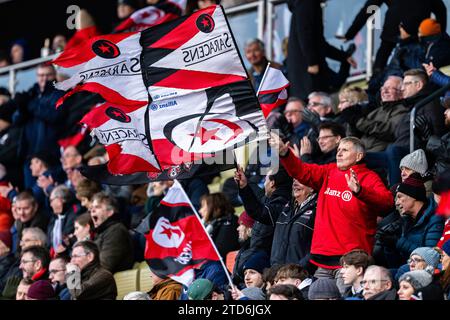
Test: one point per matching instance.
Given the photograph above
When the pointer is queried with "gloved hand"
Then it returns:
(311, 117)
(10, 290)
(422, 127)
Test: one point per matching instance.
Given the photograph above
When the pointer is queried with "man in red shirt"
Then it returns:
(350, 199)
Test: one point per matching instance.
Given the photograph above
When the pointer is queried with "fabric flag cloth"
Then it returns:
(122, 131)
(177, 242)
(152, 15)
(108, 65)
(272, 92)
(202, 100)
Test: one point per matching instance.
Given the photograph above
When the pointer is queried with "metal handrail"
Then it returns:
(12, 70)
(419, 105)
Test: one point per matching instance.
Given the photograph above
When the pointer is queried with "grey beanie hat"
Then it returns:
(430, 256)
(417, 278)
(254, 293)
(416, 161)
(323, 288)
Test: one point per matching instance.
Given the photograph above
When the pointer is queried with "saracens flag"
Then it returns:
(149, 16)
(177, 242)
(272, 92)
(122, 131)
(108, 65)
(202, 99)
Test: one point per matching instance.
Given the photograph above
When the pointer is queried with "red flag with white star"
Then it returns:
(177, 242)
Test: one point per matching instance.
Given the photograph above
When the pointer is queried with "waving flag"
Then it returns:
(152, 15)
(108, 65)
(272, 92)
(122, 131)
(177, 242)
(202, 101)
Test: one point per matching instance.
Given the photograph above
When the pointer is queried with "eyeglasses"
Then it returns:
(26, 261)
(415, 260)
(79, 255)
(371, 282)
(55, 271)
(323, 138)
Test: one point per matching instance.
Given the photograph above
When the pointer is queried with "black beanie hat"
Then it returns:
(413, 187)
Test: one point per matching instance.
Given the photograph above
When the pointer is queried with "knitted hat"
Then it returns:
(417, 278)
(446, 247)
(430, 256)
(429, 27)
(5, 237)
(254, 293)
(414, 188)
(410, 26)
(41, 290)
(246, 220)
(416, 161)
(323, 288)
(259, 261)
(200, 289)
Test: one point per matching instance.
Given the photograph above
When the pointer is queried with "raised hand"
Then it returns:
(240, 178)
(352, 181)
(305, 146)
(429, 68)
(278, 144)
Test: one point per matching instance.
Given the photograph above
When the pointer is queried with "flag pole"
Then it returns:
(263, 78)
(209, 237)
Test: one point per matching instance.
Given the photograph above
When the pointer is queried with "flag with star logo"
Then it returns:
(152, 15)
(108, 65)
(272, 92)
(201, 96)
(177, 242)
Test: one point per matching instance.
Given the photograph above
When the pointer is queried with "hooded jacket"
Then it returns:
(344, 220)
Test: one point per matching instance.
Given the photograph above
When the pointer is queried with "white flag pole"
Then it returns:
(209, 237)
(263, 78)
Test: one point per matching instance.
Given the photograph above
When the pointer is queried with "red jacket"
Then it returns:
(344, 221)
(6, 219)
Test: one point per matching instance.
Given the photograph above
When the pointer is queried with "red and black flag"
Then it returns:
(108, 65)
(272, 92)
(150, 16)
(202, 101)
(177, 242)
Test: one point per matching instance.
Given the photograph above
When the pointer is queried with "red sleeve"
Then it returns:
(375, 194)
(311, 175)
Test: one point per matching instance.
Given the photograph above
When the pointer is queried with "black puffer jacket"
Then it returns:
(440, 149)
(265, 212)
(223, 232)
(293, 233)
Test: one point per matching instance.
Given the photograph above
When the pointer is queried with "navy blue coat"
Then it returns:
(40, 119)
(424, 233)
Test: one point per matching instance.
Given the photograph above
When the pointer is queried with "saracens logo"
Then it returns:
(105, 49)
(166, 235)
(117, 114)
(205, 23)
